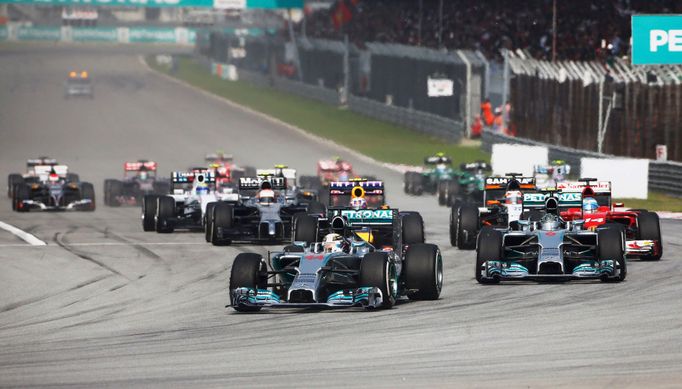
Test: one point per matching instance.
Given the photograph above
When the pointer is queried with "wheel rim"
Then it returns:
(391, 280)
(439, 272)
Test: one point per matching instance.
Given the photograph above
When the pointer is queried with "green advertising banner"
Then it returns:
(233, 4)
(94, 34)
(39, 33)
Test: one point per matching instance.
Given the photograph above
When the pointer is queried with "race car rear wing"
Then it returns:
(599, 187)
(137, 166)
(435, 160)
(473, 166)
(537, 200)
(341, 192)
(256, 183)
(44, 170)
(366, 217)
(493, 183)
(40, 161)
(218, 157)
(189, 177)
(289, 174)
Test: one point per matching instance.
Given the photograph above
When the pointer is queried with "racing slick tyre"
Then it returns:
(248, 271)
(107, 192)
(488, 248)
(377, 271)
(208, 221)
(222, 216)
(88, 193)
(72, 177)
(21, 192)
(165, 211)
(453, 192)
(413, 228)
(454, 215)
(423, 269)
(115, 190)
(316, 208)
(407, 188)
(610, 246)
(417, 184)
(148, 212)
(443, 187)
(12, 180)
(650, 229)
(305, 229)
(466, 227)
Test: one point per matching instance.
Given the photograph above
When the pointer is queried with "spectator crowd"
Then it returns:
(586, 29)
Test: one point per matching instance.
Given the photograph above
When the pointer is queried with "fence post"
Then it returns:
(467, 116)
(505, 79)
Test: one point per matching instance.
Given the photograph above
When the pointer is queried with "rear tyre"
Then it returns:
(377, 271)
(21, 192)
(489, 248)
(165, 211)
(248, 271)
(453, 192)
(13, 180)
(650, 229)
(305, 229)
(222, 218)
(413, 229)
(423, 272)
(467, 226)
(208, 222)
(417, 184)
(149, 212)
(443, 187)
(610, 247)
(72, 178)
(317, 208)
(88, 193)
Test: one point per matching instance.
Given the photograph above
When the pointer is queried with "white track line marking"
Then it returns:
(23, 235)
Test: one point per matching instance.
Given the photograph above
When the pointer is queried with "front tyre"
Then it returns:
(611, 247)
(488, 248)
(248, 271)
(377, 271)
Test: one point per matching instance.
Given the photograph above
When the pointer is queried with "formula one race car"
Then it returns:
(293, 194)
(328, 171)
(642, 229)
(261, 214)
(434, 178)
(467, 185)
(78, 84)
(139, 179)
(185, 207)
(550, 248)
(502, 205)
(226, 172)
(549, 175)
(369, 258)
(30, 177)
(53, 189)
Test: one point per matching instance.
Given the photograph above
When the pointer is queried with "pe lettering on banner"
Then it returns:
(656, 39)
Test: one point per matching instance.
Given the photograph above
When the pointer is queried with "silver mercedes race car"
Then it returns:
(550, 248)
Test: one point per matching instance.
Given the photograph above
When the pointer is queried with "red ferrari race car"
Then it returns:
(642, 228)
(328, 171)
(226, 172)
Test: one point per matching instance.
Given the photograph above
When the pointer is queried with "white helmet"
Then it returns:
(332, 243)
(513, 197)
(266, 197)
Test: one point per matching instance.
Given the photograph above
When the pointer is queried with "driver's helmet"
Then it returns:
(332, 243)
(358, 203)
(441, 166)
(143, 175)
(343, 176)
(550, 222)
(590, 205)
(53, 177)
(266, 197)
(202, 188)
(513, 197)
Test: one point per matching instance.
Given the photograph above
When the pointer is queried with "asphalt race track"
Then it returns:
(104, 304)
